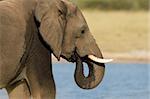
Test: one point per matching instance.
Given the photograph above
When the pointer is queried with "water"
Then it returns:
(121, 81)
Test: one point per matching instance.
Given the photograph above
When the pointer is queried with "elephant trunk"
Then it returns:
(95, 76)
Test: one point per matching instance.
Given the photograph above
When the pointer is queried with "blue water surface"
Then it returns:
(121, 81)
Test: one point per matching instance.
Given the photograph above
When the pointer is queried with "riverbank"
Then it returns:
(132, 57)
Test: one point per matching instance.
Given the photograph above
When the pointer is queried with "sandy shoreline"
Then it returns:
(143, 57)
(129, 57)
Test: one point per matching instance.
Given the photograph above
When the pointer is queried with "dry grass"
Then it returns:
(119, 31)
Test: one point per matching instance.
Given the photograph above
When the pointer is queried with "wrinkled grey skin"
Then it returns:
(30, 31)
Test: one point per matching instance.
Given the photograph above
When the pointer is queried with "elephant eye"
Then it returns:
(83, 31)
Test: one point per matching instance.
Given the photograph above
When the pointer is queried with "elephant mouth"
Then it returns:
(72, 58)
(86, 58)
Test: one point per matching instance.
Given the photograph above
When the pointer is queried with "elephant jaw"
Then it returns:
(99, 60)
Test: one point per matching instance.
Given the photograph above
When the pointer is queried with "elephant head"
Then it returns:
(64, 29)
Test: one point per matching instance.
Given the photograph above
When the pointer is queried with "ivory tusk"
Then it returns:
(99, 60)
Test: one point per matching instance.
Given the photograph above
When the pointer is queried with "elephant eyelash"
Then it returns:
(60, 12)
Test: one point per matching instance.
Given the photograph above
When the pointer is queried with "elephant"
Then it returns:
(30, 32)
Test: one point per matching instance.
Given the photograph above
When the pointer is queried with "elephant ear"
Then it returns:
(52, 17)
(71, 7)
(52, 25)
